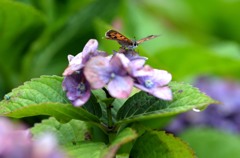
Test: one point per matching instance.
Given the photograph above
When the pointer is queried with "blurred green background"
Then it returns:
(197, 37)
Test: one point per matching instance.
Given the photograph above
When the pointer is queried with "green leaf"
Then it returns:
(68, 133)
(209, 143)
(86, 150)
(38, 90)
(159, 144)
(62, 112)
(93, 106)
(117, 104)
(125, 136)
(44, 96)
(143, 106)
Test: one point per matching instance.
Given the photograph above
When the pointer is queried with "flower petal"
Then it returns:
(97, 72)
(120, 87)
(119, 62)
(161, 77)
(77, 88)
(138, 62)
(70, 57)
(75, 64)
(90, 47)
(164, 93)
(81, 100)
(145, 71)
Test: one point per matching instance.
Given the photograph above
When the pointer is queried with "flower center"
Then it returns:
(112, 75)
(148, 84)
(81, 87)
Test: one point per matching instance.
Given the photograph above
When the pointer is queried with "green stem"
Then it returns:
(109, 109)
(109, 115)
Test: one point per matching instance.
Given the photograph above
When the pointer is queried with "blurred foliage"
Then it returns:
(197, 37)
(212, 143)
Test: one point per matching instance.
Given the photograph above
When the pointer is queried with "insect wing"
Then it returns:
(115, 35)
(147, 38)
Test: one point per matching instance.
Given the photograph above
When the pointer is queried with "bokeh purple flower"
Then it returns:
(225, 116)
(46, 146)
(16, 142)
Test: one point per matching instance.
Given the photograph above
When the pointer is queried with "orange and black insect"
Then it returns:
(124, 41)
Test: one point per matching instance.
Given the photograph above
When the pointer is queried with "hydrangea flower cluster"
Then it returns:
(225, 117)
(94, 69)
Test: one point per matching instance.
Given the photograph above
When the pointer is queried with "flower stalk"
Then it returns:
(109, 107)
(109, 116)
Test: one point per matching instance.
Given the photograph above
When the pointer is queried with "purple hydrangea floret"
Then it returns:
(75, 84)
(154, 82)
(101, 71)
(77, 88)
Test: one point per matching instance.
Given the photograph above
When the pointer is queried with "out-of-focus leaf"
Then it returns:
(227, 49)
(194, 60)
(210, 143)
(20, 24)
(204, 20)
(55, 10)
